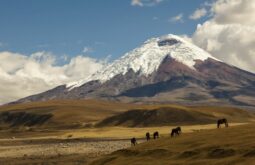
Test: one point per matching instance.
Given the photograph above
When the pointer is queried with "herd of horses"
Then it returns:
(175, 132)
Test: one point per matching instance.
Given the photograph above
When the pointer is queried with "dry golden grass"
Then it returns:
(77, 113)
(68, 112)
(198, 144)
(233, 145)
(76, 148)
(104, 132)
(126, 133)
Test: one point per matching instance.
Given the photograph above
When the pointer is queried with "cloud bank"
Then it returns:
(229, 34)
(22, 75)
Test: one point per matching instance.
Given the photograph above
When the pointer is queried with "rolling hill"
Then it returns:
(170, 115)
(66, 114)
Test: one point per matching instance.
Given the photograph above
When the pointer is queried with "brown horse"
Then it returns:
(222, 121)
(176, 131)
(155, 135)
(133, 141)
(148, 136)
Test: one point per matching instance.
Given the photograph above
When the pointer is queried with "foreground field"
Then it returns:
(80, 131)
(79, 146)
(234, 145)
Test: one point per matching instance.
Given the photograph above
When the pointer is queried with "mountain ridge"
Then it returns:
(164, 69)
(148, 57)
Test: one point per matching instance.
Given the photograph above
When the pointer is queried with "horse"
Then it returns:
(148, 136)
(222, 121)
(133, 141)
(176, 131)
(155, 135)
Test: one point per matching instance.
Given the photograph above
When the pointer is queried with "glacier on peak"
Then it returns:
(147, 58)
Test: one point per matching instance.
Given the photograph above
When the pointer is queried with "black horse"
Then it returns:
(148, 136)
(133, 141)
(155, 135)
(176, 131)
(222, 121)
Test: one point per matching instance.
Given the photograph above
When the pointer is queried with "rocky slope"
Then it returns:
(165, 69)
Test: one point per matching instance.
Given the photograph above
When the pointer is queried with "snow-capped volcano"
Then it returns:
(147, 58)
(164, 69)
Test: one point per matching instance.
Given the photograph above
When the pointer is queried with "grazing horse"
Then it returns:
(155, 135)
(176, 131)
(148, 136)
(133, 141)
(222, 121)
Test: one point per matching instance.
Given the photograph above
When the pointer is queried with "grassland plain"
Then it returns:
(226, 146)
(71, 135)
(79, 146)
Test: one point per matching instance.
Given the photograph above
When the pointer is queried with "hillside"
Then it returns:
(66, 114)
(62, 113)
(166, 69)
(233, 145)
(167, 115)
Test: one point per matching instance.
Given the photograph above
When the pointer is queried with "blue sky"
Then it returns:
(112, 27)
(46, 43)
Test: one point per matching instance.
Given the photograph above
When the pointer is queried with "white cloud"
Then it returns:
(22, 75)
(229, 34)
(87, 49)
(143, 3)
(234, 12)
(136, 3)
(177, 18)
(64, 57)
(199, 13)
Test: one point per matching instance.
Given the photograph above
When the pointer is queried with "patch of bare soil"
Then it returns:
(72, 152)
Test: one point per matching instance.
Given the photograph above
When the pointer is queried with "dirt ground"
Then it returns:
(57, 151)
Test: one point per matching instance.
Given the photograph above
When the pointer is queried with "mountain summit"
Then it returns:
(164, 69)
(147, 58)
